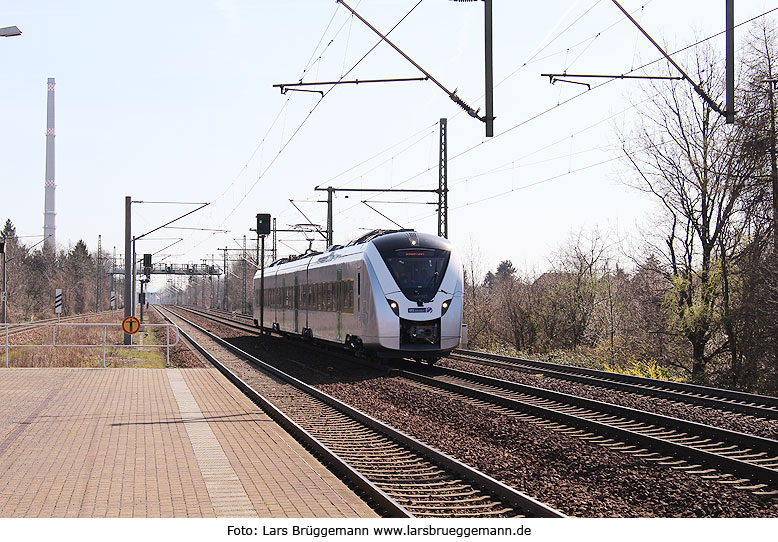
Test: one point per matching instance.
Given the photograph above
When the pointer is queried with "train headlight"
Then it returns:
(444, 307)
(394, 306)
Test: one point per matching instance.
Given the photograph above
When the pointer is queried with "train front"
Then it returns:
(419, 302)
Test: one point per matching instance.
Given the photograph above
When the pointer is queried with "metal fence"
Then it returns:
(104, 344)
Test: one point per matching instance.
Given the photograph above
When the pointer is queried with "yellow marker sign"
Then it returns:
(130, 325)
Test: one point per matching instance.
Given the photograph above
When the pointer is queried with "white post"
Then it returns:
(104, 346)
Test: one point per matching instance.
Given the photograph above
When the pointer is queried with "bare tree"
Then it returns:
(699, 170)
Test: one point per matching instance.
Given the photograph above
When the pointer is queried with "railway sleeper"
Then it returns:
(453, 483)
(750, 458)
(392, 471)
(477, 501)
(371, 466)
(730, 479)
(686, 467)
(702, 471)
(648, 455)
(395, 477)
(736, 454)
(454, 507)
(752, 487)
(496, 513)
(717, 447)
(421, 493)
(626, 448)
(766, 460)
(661, 433)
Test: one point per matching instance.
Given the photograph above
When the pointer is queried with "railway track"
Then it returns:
(744, 461)
(758, 406)
(401, 475)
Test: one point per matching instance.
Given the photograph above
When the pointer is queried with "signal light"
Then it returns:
(263, 224)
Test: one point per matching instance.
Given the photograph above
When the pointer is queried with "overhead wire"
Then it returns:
(300, 126)
(282, 110)
(548, 110)
(534, 117)
(538, 50)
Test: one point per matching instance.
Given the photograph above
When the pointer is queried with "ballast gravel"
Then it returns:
(576, 477)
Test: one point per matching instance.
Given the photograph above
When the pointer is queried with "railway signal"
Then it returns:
(147, 265)
(263, 229)
(263, 224)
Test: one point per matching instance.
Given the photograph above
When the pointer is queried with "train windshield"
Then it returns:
(418, 272)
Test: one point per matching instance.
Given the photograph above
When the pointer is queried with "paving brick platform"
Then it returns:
(152, 443)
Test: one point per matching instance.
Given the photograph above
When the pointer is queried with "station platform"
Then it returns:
(150, 443)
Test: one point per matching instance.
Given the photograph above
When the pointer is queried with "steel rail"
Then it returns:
(606, 418)
(389, 505)
(610, 427)
(518, 500)
(756, 405)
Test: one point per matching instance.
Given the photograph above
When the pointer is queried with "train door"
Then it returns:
(296, 304)
(339, 302)
(358, 300)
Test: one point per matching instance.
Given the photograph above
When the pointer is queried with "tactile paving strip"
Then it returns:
(227, 493)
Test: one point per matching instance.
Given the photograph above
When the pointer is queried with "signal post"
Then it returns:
(263, 230)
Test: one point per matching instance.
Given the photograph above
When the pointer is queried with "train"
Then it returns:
(389, 293)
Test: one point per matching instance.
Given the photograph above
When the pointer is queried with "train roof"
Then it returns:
(384, 240)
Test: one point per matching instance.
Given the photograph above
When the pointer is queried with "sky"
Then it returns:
(173, 101)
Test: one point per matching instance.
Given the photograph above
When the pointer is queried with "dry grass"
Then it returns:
(82, 356)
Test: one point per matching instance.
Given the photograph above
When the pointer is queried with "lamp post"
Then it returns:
(7, 32)
(10, 31)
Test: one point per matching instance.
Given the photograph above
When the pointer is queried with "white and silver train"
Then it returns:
(396, 294)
